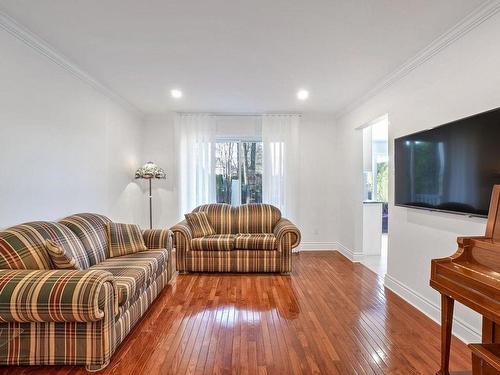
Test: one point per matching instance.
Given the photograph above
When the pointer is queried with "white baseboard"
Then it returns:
(316, 246)
(461, 329)
(352, 255)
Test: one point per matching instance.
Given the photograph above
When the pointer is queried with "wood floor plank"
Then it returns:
(329, 317)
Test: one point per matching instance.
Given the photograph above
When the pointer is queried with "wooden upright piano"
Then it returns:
(471, 276)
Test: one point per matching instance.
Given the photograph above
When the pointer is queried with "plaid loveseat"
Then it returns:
(249, 238)
(74, 317)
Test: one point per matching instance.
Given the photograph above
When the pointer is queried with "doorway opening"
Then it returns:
(376, 194)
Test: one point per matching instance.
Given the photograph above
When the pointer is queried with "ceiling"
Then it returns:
(239, 56)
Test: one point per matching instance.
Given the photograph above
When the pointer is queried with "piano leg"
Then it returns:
(490, 333)
(447, 304)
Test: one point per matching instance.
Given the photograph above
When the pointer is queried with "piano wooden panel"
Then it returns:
(472, 277)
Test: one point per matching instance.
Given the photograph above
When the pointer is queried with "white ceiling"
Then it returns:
(235, 55)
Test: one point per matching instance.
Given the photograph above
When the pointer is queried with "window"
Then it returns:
(238, 171)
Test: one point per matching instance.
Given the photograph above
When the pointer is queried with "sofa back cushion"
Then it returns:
(91, 230)
(256, 218)
(23, 246)
(247, 218)
(124, 239)
(220, 216)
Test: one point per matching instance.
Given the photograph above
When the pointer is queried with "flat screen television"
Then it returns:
(452, 167)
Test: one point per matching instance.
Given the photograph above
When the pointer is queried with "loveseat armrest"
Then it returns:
(182, 243)
(158, 239)
(183, 229)
(284, 227)
(55, 295)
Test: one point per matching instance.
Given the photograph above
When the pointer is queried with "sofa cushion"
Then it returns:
(135, 272)
(214, 242)
(91, 230)
(23, 246)
(124, 239)
(256, 218)
(61, 258)
(255, 241)
(220, 216)
(199, 224)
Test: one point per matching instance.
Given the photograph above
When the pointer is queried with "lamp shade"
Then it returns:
(150, 170)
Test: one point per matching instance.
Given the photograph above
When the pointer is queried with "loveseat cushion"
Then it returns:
(199, 224)
(91, 230)
(256, 218)
(214, 242)
(255, 241)
(135, 272)
(23, 246)
(220, 215)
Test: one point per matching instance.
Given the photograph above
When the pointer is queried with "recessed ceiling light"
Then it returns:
(176, 94)
(302, 94)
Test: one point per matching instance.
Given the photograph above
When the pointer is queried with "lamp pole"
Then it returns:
(150, 206)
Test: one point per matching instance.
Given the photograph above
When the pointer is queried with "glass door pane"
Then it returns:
(251, 172)
(226, 172)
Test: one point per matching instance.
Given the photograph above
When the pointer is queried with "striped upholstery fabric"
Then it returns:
(269, 251)
(286, 227)
(132, 314)
(73, 317)
(234, 261)
(23, 246)
(256, 218)
(255, 241)
(135, 272)
(199, 224)
(70, 343)
(158, 238)
(49, 296)
(61, 259)
(221, 217)
(91, 230)
(215, 242)
(124, 239)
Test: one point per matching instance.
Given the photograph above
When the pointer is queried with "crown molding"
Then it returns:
(41, 46)
(468, 23)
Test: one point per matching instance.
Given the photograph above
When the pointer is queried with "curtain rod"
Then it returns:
(236, 114)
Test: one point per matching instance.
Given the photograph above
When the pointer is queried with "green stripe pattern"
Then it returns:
(249, 238)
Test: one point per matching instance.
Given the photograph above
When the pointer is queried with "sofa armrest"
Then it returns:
(284, 227)
(182, 243)
(158, 238)
(55, 295)
(183, 229)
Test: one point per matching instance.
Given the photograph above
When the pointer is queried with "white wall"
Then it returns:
(461, 80)
(158, 145)
(316, 204)
(65, 147)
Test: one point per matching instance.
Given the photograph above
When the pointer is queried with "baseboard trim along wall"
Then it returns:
(353, 256)
(461, 329)
(316, 246)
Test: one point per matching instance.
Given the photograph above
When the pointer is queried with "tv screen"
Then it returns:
(452, 167)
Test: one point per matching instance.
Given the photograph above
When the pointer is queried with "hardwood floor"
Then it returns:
(329, 317)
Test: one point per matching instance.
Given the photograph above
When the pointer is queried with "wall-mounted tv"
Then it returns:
(452, 167)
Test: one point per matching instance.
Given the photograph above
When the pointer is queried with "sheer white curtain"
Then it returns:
(195, 136)
(280, 162)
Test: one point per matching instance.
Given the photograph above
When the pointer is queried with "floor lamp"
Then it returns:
(148, 172)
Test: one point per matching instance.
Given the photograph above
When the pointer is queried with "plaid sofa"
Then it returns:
(74, 317)
(249, 238)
